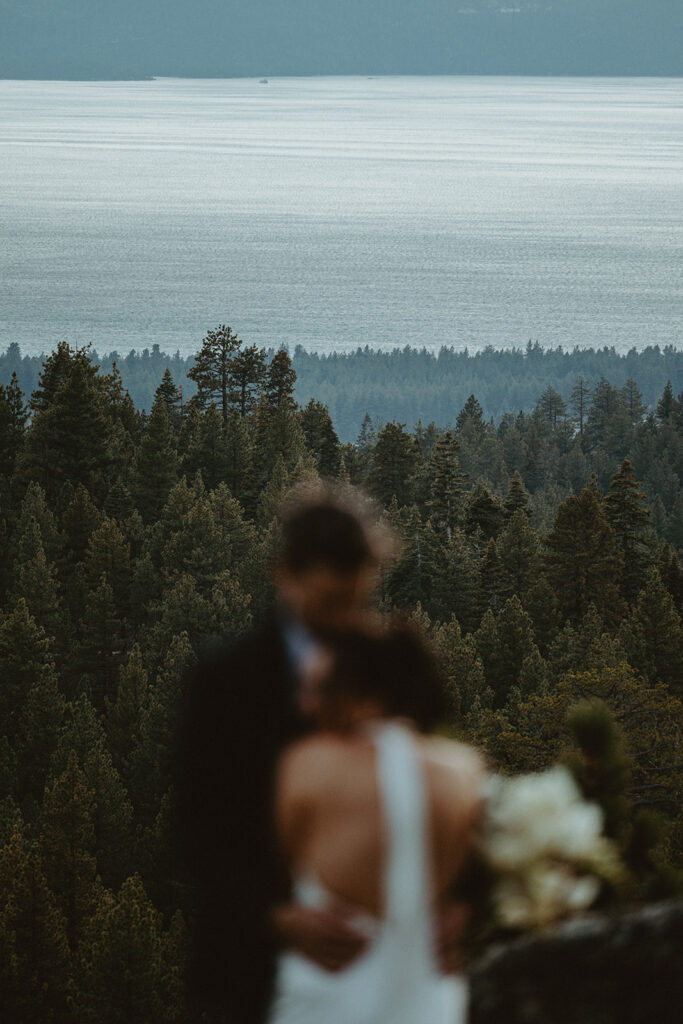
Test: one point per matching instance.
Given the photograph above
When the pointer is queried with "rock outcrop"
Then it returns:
(626, 969)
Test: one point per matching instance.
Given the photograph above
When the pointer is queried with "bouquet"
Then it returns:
(544, 849)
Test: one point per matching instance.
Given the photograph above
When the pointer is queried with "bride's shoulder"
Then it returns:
(314, 757)
(454, 761)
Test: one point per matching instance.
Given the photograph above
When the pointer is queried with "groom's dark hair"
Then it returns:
(330, 527)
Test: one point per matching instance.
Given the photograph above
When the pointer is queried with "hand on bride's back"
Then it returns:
(324, 936)
(451, 925)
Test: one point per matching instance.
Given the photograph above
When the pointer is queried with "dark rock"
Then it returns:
(626, 969)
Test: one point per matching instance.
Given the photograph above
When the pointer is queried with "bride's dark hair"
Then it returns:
(393, 667)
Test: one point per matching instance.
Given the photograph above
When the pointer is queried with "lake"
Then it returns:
(338, 212)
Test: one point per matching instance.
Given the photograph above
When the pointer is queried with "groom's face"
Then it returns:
(325, 599)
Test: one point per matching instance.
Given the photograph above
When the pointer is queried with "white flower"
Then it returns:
(540, 839)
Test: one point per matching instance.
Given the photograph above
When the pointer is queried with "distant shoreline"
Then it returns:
(272, 78)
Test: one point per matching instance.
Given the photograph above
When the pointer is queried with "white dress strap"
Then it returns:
(402, 797)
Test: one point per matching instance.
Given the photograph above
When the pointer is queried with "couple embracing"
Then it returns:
(324, 829)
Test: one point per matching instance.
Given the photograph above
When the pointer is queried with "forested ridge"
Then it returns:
(540, 555)
(404, 384)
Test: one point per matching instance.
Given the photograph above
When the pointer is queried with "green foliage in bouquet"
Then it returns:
(643, 835)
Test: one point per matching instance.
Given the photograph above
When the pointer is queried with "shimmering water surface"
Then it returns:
(334, 212)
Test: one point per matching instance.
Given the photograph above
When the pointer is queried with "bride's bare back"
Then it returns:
(330, 821)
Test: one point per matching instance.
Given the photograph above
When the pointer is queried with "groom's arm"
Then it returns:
(222, 796)
(451, 928)
(327, 937)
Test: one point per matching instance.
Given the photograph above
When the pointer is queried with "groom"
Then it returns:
(243, 704)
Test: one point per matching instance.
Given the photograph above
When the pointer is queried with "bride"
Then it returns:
(376, 821)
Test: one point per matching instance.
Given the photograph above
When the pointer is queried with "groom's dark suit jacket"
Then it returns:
(237, 714)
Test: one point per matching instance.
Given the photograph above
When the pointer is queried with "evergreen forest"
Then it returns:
(541, 556)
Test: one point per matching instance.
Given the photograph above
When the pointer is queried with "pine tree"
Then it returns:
(68, 441)
(213, 368)
(102, 644)
(56, 371)
(189, 430)
(581, 646)
(619, 433)
(446, 482)
(367, 436)
(518, 549)
(273, 493)
(156, 469)
(657, 635)
(81, 730)
(198, 549)
(108, 554)
(38, 722)
(461, 666)
(111, 816)
(13, 418)
(491, 574)
(582, 560)
(634, 402)
(280, 381)
(35, 962)
(395, 462)
(239, 467)
(551, 406)
(25, 661)
(667, 407)
(580, 402)
(235, 531)
(517, 498)
(678, 414)
(505, 642)
(152, 759)
(426, 437)
(124, 715)
(535, 466)
(208, 451)
(118, 504)
(458, 581)
(321, 438)
(35, 579)
(629, 517)
(473, 412)
(412, 579)
(171, 397)
(119, 404)
(352, 466)
(225, 611)
(122, 972)
(34, 507)
(67, 845)
(277, 432)
(607, 400)
(247, 378)
(675, 530)
(671, 573)
(80, 519)
(483, 511)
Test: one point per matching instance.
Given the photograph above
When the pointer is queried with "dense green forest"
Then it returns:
(404, 384)
(541, 556)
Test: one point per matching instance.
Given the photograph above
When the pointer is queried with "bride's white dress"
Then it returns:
(396, 980)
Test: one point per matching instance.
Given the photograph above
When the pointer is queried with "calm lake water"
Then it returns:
(337, 212)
